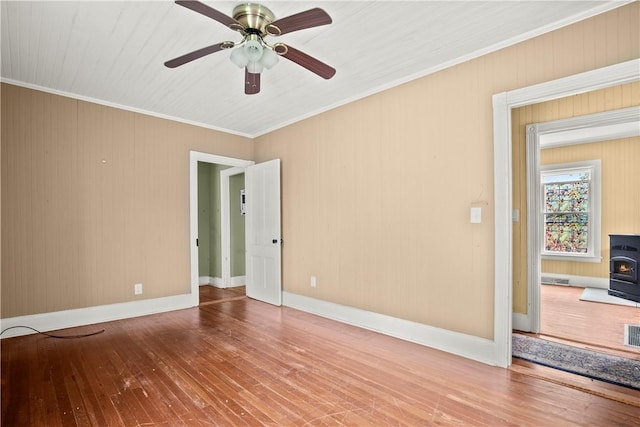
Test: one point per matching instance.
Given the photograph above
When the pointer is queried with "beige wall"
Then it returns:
(615, 216)
(376, 194)
(94, 199)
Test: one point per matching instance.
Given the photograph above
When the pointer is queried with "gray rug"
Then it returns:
(591, 364)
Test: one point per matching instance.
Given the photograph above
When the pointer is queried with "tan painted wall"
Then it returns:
(376, 193)
(602, 100)
(94, 199)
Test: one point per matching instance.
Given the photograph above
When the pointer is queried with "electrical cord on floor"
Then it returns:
(66, 337)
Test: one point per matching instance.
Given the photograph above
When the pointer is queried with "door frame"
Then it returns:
(503, 103)
(604, 126)
(194, 158)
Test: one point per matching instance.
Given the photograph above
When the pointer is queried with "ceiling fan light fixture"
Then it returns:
(269, 59)
(239, 58)
(253, 48)
(255, 67)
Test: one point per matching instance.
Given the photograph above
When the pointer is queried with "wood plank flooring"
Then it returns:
(243, 362)
(211, 294)
(586, 324)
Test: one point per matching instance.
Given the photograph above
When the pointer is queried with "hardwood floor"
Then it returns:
(211, 294)
(586, 324)
(242, 362)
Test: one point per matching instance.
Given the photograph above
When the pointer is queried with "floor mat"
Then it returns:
(591, 364)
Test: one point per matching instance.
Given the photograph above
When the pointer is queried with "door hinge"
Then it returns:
(197, 243)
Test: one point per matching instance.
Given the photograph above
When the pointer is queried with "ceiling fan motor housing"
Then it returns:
(255, 19)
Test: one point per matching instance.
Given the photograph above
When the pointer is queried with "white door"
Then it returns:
(263, 239)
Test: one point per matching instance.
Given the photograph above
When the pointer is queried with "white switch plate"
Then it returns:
(476, 215)
(313, 281)
(137, 289)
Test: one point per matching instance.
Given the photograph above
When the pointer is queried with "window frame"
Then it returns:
(594, 228)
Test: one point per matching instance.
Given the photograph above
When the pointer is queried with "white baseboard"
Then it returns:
(579, 281)
(238, 281)
(471, 347)
(219, 283)
(45, 322)
(213, 281)
(204, 280)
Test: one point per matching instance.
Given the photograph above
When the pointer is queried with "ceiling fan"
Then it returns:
(253, 53)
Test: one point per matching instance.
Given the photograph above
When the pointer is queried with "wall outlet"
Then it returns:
(313, 281)
(137, 289)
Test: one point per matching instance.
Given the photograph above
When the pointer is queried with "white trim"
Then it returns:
(502, 253)
(613, 75)
(209, 280)
(468, 346)
(219, 282)
(521, 322)
(236, 281)
(604, 126)
(579, 281)
(194, 158)
(534, 230)
(600, 78)
(204, 280)
(45, 322)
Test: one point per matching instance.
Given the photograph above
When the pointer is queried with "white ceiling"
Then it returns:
(112, 52)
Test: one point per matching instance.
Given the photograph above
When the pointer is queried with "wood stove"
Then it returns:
(624, 281)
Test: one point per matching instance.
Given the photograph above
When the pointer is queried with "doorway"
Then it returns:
(217, 165)
(503, 104)
(573, 143)
(221, 225)
(263, 240)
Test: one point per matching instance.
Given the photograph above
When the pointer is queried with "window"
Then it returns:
(571, 211)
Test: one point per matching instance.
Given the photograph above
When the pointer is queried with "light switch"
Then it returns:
(476, 215)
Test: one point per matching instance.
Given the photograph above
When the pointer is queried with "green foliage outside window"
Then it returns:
(566, 212)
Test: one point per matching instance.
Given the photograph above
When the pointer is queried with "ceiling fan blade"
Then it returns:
(180, 60)
(251, 83)
(210, 12)
(308, 19)
(310, 63)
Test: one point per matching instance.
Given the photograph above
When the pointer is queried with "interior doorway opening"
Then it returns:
(209, 198)
(503, 104)
(221, 226)
(263, 239)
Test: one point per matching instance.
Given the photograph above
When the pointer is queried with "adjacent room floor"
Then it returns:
(587, 324)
